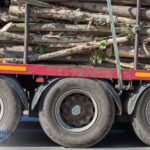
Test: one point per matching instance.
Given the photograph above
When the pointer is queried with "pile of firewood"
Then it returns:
(77, 32)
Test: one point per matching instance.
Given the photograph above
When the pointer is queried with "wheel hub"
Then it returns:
(77, 110)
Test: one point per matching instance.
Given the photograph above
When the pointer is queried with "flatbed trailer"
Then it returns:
(76, 105)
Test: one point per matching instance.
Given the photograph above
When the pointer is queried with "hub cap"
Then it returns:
(76, 110)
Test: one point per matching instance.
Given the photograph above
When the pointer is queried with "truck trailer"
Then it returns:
(76, 105)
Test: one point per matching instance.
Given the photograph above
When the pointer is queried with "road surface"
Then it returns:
(29, 136)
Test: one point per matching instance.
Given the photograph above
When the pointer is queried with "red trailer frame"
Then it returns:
(72, 71)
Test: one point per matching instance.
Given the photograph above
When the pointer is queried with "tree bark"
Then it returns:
(31, 2)
(128, 54)
(58, 27)
(3, 12)
(125, 2)
(125, 65)
(14, 51)
(11, 60)
(41, 39)
(118, 10)
(5, 17)
(61, 13)
(10, 54)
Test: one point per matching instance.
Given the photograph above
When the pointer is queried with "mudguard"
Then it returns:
(13, 81)
(135, 96)
(114, 94)
(41, 90)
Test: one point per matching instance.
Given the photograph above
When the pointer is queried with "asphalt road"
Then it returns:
(29, 136)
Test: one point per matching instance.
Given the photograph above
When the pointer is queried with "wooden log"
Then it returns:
(5, 17)
(127, 54)
(118, 10)
(17, 47)
(76, 50)
(11, 60)
(10, 54)
(14, 51)
(58, 27)
(3, 12)
(38, 38)
(61, 13)
(125, 2)
(124, 65)
(7, 27)
(62, 45)
(31, 2)
(71, 59)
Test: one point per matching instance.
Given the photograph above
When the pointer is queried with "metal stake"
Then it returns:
(138, 18)
(26, 34)
(115, 44)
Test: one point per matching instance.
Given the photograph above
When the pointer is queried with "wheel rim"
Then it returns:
(147, 112)
(76, 110)
(1, 108)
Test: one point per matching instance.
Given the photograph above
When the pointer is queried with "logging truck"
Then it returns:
(76, 105)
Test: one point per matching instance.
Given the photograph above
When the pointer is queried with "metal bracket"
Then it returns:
(138, 18)
(26, 34)
(115, 45)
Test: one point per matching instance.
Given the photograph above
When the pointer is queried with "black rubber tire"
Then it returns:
(12, 110)
(85, 138)
(139, 122)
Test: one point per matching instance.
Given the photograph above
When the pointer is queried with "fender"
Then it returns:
(106, 85)
(41, 90)
(13, 81)
(114, 94)
(134, 98)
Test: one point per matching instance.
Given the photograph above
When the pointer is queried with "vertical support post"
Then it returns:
(138, 18)
(115, 44)
(26, 34)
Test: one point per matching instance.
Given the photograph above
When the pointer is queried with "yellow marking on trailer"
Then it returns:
(13, 68)
(142, 74)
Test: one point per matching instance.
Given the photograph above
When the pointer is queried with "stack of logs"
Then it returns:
(74, 31)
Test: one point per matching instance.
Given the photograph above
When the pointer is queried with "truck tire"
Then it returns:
(10, 110)
(76, 112)
(141, 117)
